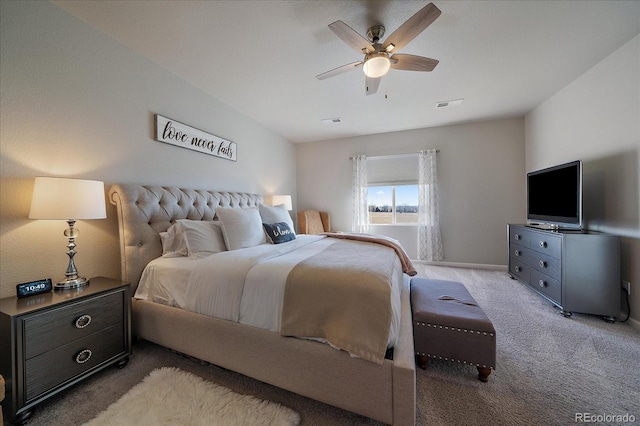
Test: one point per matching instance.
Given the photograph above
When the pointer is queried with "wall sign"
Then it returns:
(178, 134)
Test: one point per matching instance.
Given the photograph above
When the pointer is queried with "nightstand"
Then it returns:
(51, 341)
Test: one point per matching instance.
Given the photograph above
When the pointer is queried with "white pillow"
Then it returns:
(276, 214)
(241, 227)
(202, 236)
(173, 243)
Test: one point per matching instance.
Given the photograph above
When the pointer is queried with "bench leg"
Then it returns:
(483, 373)
(422, 361)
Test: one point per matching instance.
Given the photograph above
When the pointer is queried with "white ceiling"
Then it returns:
(261, 57)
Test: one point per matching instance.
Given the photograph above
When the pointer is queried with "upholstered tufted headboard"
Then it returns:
(145, 211)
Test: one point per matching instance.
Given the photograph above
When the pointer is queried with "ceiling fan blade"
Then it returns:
(371, 85)
(339, 70)
(351, 37)
(412, 27)
(403, 61)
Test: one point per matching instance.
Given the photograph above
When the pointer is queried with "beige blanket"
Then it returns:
(407, 266)
(342, 294)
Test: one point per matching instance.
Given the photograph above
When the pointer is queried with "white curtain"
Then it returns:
(429, 240)
(360, 221)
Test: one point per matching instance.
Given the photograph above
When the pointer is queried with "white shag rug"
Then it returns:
(170, 396)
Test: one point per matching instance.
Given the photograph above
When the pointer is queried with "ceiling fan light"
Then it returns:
(376, 65)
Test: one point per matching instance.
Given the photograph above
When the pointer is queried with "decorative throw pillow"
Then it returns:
(276, 214)
(279, 232)
(202, 236)
(241, 228)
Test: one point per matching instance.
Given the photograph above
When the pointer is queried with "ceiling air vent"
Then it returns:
(445, 104)
(332, 120)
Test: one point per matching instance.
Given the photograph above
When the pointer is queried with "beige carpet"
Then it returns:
(549, 368)
(170, 396)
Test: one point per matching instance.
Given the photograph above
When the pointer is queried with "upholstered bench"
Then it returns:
(448, 324)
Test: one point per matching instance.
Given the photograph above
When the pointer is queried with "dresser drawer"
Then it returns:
(546, 243)
(519, 269)
(53, 368)
(56, 327)
(520, 253)
(547, 285)
(548, 265)
(519, 236)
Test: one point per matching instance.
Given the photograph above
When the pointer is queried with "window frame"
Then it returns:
(394, 207)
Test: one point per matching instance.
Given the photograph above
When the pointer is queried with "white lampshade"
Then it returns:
(376, 65)
(275, 200)
(68, 199)
(64, 199)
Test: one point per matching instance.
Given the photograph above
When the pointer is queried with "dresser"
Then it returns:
(578, 271)
(51, 341)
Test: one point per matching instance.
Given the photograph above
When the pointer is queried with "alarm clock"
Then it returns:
(33, 287)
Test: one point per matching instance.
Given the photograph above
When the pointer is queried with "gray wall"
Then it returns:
(596, 118)
(76, 103)
(480, 173)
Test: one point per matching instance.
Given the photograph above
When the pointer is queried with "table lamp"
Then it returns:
(275, 200)
(70, 200)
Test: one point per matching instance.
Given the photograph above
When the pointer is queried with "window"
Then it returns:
(393, 189)
(393, 204)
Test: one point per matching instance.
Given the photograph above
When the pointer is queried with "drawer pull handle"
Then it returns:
(543, 244)
(518, 269)
(542, 283)
(83, 356)
(517, 237)
(83, 321)
(542, 264)
(517, 252)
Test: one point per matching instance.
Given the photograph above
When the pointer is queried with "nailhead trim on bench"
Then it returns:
(453, 328)
(426, 324)
(455, 360)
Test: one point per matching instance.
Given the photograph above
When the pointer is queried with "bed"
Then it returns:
(384, 390)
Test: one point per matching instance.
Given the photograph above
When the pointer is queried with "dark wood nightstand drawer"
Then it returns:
(59, 365)
(56, 327)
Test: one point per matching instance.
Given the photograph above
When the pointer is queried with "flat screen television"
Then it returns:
(554, 196)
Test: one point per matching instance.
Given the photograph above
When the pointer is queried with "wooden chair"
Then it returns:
(313, 222)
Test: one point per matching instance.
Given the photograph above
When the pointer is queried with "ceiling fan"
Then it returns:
(379, 57)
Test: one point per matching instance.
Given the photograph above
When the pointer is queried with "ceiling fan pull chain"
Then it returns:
(386, 86)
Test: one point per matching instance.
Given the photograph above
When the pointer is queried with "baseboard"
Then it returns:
(634, 323)
(461, 265)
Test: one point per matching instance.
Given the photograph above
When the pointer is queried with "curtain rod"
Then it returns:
(382, 157)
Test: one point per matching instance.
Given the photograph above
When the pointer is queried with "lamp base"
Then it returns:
(69, 284)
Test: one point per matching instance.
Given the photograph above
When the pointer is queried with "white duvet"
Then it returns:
(245, 286)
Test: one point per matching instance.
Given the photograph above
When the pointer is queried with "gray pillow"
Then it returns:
(202, 236)
(275, 214)
(241, 228)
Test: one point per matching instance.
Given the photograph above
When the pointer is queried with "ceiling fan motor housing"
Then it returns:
(375, 33)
